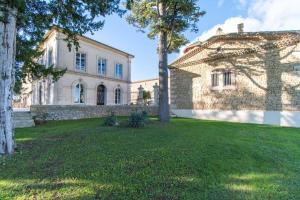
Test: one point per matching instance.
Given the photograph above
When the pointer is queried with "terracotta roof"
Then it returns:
(197, 47)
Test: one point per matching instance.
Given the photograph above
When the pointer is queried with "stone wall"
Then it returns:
(70, 112)
(147, 85)
(262, 80)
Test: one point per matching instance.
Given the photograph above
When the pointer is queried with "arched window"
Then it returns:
(118, 96)
(79, 93)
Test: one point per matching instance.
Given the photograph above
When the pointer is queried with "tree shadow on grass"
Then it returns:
(187, 159)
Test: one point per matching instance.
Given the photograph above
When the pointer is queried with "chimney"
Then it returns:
(240, 28)
(219, 31)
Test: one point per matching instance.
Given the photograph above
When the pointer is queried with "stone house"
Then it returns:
(149, 85)
(97, 74)
(245, 77)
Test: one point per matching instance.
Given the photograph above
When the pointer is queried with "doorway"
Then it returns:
(101, 90)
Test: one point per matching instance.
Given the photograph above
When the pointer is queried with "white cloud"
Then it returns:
(276, 14)
(230, 25)
(263, 15)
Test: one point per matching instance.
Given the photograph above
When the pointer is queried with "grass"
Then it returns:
(186, 159)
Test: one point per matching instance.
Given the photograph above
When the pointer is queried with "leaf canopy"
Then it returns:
(178, 17)
(35, 17)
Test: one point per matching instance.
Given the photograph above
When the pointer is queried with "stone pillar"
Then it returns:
(140, 99)
(156, 94)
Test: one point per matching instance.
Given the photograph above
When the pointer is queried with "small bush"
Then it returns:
(145, 114)
(138, 119)
(40, 118)
(111, 120)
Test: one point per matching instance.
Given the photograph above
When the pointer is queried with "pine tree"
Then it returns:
(167, 20)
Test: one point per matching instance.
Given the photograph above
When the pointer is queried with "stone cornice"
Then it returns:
(97, 76)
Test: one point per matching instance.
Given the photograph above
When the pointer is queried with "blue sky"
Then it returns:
(256, 14)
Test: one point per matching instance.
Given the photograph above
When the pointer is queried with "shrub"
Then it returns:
(111, 120)
(40, 118)
(137, 119)
(145, 115)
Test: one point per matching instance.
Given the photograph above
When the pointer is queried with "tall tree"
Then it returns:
(23, 24)
(167, 20)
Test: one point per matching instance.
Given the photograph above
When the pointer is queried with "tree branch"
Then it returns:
(172, 25)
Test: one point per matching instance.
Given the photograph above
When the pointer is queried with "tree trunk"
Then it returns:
(164, 113)
(7, 63)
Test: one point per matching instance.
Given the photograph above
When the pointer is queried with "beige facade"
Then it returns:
(148, 85)
(237, 72)
(97, 74)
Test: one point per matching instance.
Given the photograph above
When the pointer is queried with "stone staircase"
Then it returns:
(22, 119)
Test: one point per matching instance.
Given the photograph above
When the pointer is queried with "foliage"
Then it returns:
(146, 96)
(34, 18)
(179, 16)
(111, 120)
(40, 119)
(167, 20)
(185, 159)
(137, 119)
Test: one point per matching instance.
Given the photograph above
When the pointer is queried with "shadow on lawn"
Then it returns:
(158, 162)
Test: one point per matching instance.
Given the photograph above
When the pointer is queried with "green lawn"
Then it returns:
(186, 159)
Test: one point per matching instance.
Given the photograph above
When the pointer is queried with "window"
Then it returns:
(227, 78)
(297, 68)
(41, 59)
(79, 93)
(119, 71)
(50, 57)
(102, 66)
(81, 62)
(118, 96)
(215, 79)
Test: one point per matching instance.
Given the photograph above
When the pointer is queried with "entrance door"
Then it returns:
(101, 95)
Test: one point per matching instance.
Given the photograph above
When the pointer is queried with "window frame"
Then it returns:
(50, 55)
(222, 77)
(81, 87)
(215, 79)
(99, 72)
(118, 96)
(80, 68)
(116, 75)
(227, 78)
(296, 69)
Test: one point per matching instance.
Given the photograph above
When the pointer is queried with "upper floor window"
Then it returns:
(227, 78)
(41, 60)
(215, 79)
(81, 61)
(102, 66)
(119, 70)
(118, 96)
(79, 93)
(50, 57)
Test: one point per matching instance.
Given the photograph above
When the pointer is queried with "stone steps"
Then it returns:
(22, 119)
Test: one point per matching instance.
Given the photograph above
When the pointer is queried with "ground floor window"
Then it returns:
(215, 79)
(118, 96)
(79, 93)
(227, 78)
